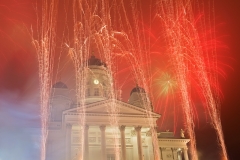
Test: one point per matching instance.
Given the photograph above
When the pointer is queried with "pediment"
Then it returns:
(104, 107)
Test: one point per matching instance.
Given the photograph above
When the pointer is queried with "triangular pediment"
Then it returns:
(104, 107)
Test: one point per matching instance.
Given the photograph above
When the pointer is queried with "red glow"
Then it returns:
(182, 44)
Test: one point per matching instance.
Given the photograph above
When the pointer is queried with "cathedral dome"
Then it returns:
(60, 85)
(138, 90)
(95, 61)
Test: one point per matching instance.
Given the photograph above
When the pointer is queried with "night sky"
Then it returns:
(19, 109)
(228, 12)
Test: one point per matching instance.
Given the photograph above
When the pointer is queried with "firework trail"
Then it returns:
(107, 42)
(189, 59)
(174, 37)
(79, 54)
(136, 49)
(91, 30)
(210, 97)
(45, 47)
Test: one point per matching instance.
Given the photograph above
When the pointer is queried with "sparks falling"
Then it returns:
(92, 21)
(91, 30)
(189, 57)
(45, 48)
(106, 27)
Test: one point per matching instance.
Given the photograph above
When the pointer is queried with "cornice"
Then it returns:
(174, 140)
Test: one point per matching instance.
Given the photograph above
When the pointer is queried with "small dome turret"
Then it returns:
(137, 97)
(60, 101)
(138, 90)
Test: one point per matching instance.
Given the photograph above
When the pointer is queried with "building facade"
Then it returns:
(134, 140)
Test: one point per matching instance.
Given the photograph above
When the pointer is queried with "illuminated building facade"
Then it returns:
(134, 136)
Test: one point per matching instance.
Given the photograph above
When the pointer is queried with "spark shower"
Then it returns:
(182, 31)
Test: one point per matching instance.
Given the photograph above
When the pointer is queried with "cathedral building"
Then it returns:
(134, 136)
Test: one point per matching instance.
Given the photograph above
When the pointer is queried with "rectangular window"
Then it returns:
(88, 92)
(96, 91)
(110, 157)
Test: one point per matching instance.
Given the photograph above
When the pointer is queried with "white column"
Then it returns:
(86, 144)
(123, 142)
(139, 140)
(103, 142)
(185, 154)
(68, 141)
(179, 155)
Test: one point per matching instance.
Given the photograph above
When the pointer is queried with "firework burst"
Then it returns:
(191, 60)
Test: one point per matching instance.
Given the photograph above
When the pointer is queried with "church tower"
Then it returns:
(98, 86)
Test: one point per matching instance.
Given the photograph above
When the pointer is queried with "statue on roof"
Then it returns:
(182, 133)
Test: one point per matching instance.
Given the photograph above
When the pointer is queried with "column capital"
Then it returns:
(138, 128)
(122, 128)
(102, 127)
